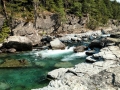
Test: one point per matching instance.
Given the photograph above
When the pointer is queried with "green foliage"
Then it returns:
(100, 11)
(93, 24)
(4, 33)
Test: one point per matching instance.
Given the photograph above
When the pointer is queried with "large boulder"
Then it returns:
(20, 43)
(57, 44)
(27, 29)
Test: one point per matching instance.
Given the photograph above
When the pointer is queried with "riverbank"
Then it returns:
(101, 74)
(85, 76)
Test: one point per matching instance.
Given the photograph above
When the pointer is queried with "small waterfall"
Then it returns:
(54, 53)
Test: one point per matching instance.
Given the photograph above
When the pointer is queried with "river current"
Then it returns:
(41, 62)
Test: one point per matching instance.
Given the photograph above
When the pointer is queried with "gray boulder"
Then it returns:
(20, 43)
(29, 31)
(57, 44)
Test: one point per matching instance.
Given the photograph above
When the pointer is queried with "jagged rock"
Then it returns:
(20, 43)
(57, 44)
(80, 49)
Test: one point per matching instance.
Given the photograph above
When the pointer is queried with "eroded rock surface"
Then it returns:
(100, 75)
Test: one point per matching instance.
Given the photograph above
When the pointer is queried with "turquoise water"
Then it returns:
(34, 76)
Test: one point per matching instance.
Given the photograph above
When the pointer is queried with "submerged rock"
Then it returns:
(40, 64)
(15, 63)
(4, 86)
(63, 65)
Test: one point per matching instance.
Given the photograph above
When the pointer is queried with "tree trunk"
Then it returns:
(4, 8)
(35, 12)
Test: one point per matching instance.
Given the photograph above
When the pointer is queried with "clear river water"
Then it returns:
(42, 61)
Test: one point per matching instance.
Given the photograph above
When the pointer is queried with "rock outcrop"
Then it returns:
(27, 29)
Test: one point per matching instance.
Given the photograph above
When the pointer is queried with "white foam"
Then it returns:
(74, 55)
(54, 53)
(105, 35)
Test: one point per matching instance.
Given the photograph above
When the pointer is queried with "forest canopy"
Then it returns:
(100, 11)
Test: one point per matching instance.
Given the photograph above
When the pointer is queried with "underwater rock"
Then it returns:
(63, 65)
(4, 86)
(40, 64)
(15, 63)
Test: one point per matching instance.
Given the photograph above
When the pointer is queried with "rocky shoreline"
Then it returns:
(101, 73)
